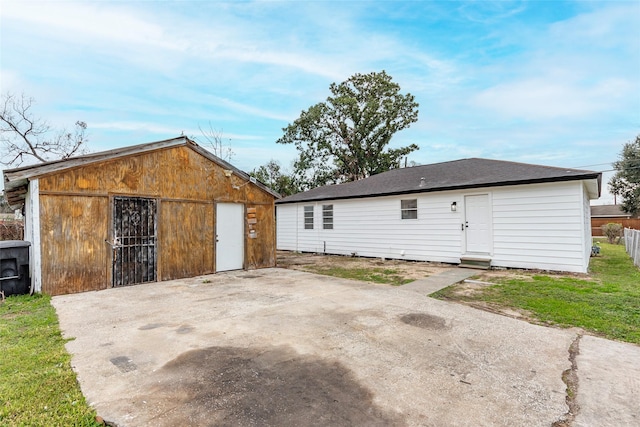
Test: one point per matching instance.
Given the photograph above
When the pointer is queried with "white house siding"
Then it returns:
(540, 226)
(32, 233)
(287, 227)
(373, 227)
(588, 239)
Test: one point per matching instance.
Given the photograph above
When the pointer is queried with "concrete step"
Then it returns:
(483, 263)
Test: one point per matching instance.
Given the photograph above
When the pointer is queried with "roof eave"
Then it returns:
(597, 176)
(16, 193)
(16, 181)
(41, 169)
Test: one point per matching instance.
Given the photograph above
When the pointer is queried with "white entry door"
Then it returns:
(477, 223)
(229, 236)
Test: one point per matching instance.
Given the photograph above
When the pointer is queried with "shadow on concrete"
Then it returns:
(272, 386)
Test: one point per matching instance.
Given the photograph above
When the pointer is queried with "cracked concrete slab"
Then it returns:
(284, 347)
(608, 383)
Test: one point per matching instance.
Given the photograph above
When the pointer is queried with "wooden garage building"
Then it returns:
(158, 211)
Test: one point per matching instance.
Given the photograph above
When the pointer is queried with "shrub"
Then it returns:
(612, 230)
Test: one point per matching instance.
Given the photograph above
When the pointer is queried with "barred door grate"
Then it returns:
(134, 240)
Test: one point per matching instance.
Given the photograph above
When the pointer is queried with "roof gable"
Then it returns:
(16, 180)
(457, 174)
(608, 211)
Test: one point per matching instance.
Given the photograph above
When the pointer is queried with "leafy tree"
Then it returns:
(272, 175)
(626, 181)
(24, 137)
(346, 137)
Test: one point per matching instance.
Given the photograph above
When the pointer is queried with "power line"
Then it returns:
(624, 165)
(588, 166)
(617, 170)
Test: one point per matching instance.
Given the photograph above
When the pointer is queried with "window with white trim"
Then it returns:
(327, 217)
(409, 209)
(308, 217)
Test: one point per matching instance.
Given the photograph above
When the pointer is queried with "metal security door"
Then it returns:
(229, 236)
(134, 240)
(477, 223)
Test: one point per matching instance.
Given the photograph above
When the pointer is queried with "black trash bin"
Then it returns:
(14, 267)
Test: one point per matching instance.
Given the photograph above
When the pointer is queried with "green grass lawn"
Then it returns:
(37, 385)
(606, 303)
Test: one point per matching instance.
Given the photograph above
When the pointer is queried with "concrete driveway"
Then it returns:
(282, 347)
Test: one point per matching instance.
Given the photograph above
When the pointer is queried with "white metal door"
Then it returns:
(477, 223)
(229, 236)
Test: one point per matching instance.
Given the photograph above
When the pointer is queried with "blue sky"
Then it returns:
(546, 82)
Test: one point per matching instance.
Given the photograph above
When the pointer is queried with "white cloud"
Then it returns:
(582, 68)
(491, 12)
(11, 80)
(615, 25)
(254, 111)
(142, 126)
(167, 130)
(505, 82)
(544, 98)
(79, 21)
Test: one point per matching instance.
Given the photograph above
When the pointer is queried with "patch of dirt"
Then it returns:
(504, 311)
(272, 386)
(470, 288)
(525, 275)
(412, 270)
(9, 316)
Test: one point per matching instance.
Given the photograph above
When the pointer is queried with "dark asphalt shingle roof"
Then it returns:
(453, 175)
(608, 211)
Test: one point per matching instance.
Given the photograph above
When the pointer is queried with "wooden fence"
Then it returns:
(632, 244)
(597, 223)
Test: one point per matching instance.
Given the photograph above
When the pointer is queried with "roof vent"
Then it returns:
(421, 182)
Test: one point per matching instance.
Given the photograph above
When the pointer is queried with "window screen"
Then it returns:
(327, 217)
(409, 209)
(308, 217)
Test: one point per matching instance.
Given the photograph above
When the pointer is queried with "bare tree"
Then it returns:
(24, 137)
(212, 138)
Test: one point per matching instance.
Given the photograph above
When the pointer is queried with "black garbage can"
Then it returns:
(14, 267)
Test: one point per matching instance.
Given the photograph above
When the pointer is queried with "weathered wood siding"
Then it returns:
(72, 233)
(260, 245)
(187, 245)
(543, 226)
(76, 217)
